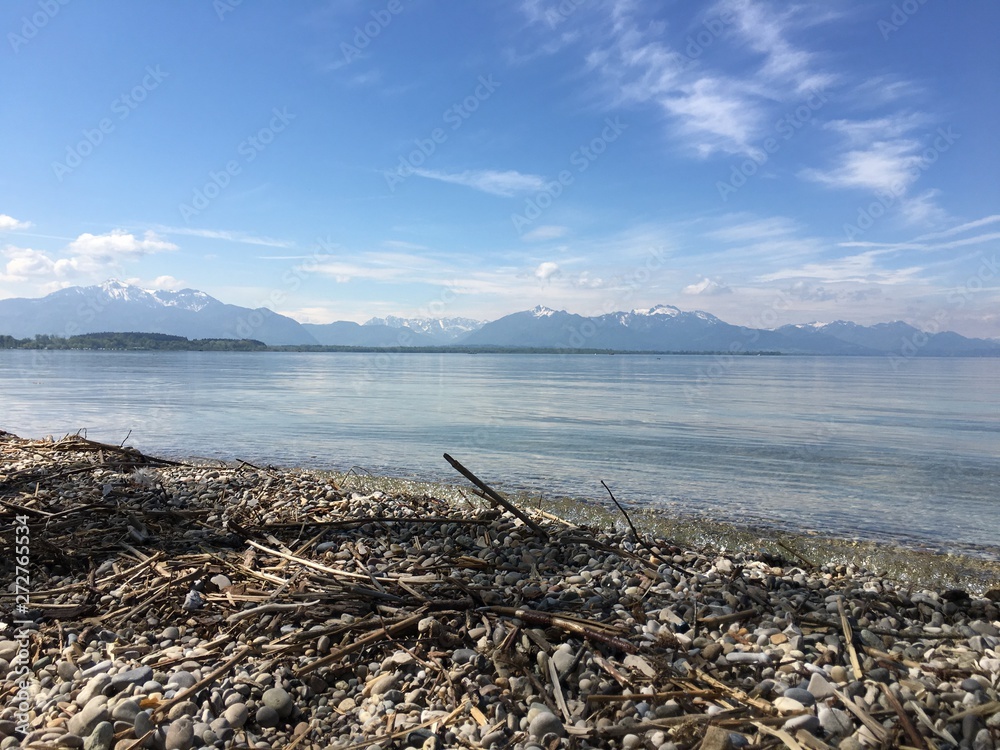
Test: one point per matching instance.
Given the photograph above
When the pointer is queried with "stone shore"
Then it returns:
(175, 606)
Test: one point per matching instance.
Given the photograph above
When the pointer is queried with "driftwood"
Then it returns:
(496, 497)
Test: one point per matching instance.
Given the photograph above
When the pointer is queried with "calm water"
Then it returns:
(845, 446)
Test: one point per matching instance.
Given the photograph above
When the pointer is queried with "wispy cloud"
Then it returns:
(711, 109)
(853, 268)
(883, 156)
(545, 232)
(246, 238)
(403, 245)
(506, 184)
(985, 221)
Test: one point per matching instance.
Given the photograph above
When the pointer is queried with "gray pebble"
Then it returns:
(278, 699)
(142, 724)
(563, 660)
(820, 687)
(236, 715)
(463, 655)
(267, 717)
(971, 684)
(182, 679)
(170, 634)
(808, 722)
(184, 708)
(180, 734)
(126, 710)
(804, 697)
(83, 722)
(101, 738)
(136, 676)
(544, 723)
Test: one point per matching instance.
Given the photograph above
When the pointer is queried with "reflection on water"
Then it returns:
(845, 446)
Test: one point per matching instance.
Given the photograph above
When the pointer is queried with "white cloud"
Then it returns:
(706, 287)
(118, 245)
(167, 283)
(26, 264)
(9, 223)
(546, 270)
(545, 232)
(505, 184)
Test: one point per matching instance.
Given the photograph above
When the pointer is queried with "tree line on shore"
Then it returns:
(165, 342)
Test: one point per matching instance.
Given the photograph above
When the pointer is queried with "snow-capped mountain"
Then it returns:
(117, 306)
(441, 330)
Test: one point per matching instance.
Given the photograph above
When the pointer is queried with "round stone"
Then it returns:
(802, 696)
(278, 699)
(267, 717)
(101, 738)
(236, 715)
(546, 722)
(180, 734)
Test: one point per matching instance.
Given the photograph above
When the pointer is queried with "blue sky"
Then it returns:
(766, 162)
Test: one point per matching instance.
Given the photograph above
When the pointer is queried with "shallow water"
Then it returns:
(849, 447)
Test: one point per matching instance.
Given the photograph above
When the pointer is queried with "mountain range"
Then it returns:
(115, 306)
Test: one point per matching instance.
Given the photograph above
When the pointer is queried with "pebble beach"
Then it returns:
(176, 606)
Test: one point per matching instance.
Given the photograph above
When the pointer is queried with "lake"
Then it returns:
(850, 447)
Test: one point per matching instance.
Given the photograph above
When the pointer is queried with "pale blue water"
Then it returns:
(846, 446)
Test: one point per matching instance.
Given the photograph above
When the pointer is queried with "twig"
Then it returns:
(273, 607)
(911, 732)
(543, 618)
(206, 680)
(849, 639)
(877, 729)
(781, 734)
(628, 520)
(389, 630)
(496, 497)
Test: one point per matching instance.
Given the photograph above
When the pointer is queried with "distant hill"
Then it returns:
(118, 307)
